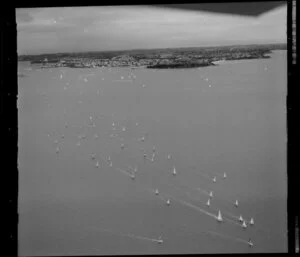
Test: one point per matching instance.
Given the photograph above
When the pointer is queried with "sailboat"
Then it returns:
(215, 179)
(168, 202)
(132, 176)
(244, 225)
(169, 156)
(174, 171)
(210, 194)
(156, 192)
(252, 221)
(219, 218)
(241, 218)
(224, 176)
(122, 146)
(97, 164)
(250, 242)
(208, 202)
(236, 204)
(160, 241)
(57, 150)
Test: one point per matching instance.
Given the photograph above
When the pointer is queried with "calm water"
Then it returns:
(236, 125)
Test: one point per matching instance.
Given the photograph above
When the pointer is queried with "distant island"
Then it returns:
(169, 58)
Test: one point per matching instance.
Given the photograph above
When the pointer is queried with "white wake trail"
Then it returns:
(227, 236)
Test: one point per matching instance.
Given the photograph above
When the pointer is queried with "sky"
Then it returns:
(105, 28)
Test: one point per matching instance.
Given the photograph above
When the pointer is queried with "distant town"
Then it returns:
(155, 58)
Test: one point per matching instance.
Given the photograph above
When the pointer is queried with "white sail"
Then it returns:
(252, 221)
(244, 224)
(241, 218)
(174, 171)
(168, 202)
(225, 176)
(215, 179)
(156, 192)
(210, 194)
(236, 204)
(208, 202)
(219, 218)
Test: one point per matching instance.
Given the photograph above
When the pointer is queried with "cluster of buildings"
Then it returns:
(159, 60)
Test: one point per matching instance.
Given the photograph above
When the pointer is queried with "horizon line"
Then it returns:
(147, 49)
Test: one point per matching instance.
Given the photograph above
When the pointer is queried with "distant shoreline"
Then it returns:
(155, 59)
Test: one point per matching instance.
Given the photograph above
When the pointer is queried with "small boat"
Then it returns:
(210, 194)
(132, 176)
(244, 225)
(135, 169)
(143, 139)
(241, 218)
(57, 150)
(97, 164)
(236, 204)
(113, 124)
(219, 218)
(250, 243)
(174, 171)
(123, 129)
(208, 202)
(225, 175)
(252, 221)
(93, 156)
(156, 192)
(169, 157)
(168, 202)
(122, 146)
(160, 241)
(214, 179)
(145, 156)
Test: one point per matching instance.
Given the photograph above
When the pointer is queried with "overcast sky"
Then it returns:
(73, 29)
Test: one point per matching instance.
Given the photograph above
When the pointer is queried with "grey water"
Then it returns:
(227, 118)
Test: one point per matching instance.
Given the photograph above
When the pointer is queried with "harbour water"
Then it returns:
(228, 118)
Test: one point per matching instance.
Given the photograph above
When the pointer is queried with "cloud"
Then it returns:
(123, 27)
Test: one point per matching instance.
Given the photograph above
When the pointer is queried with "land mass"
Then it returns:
(168, 58)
